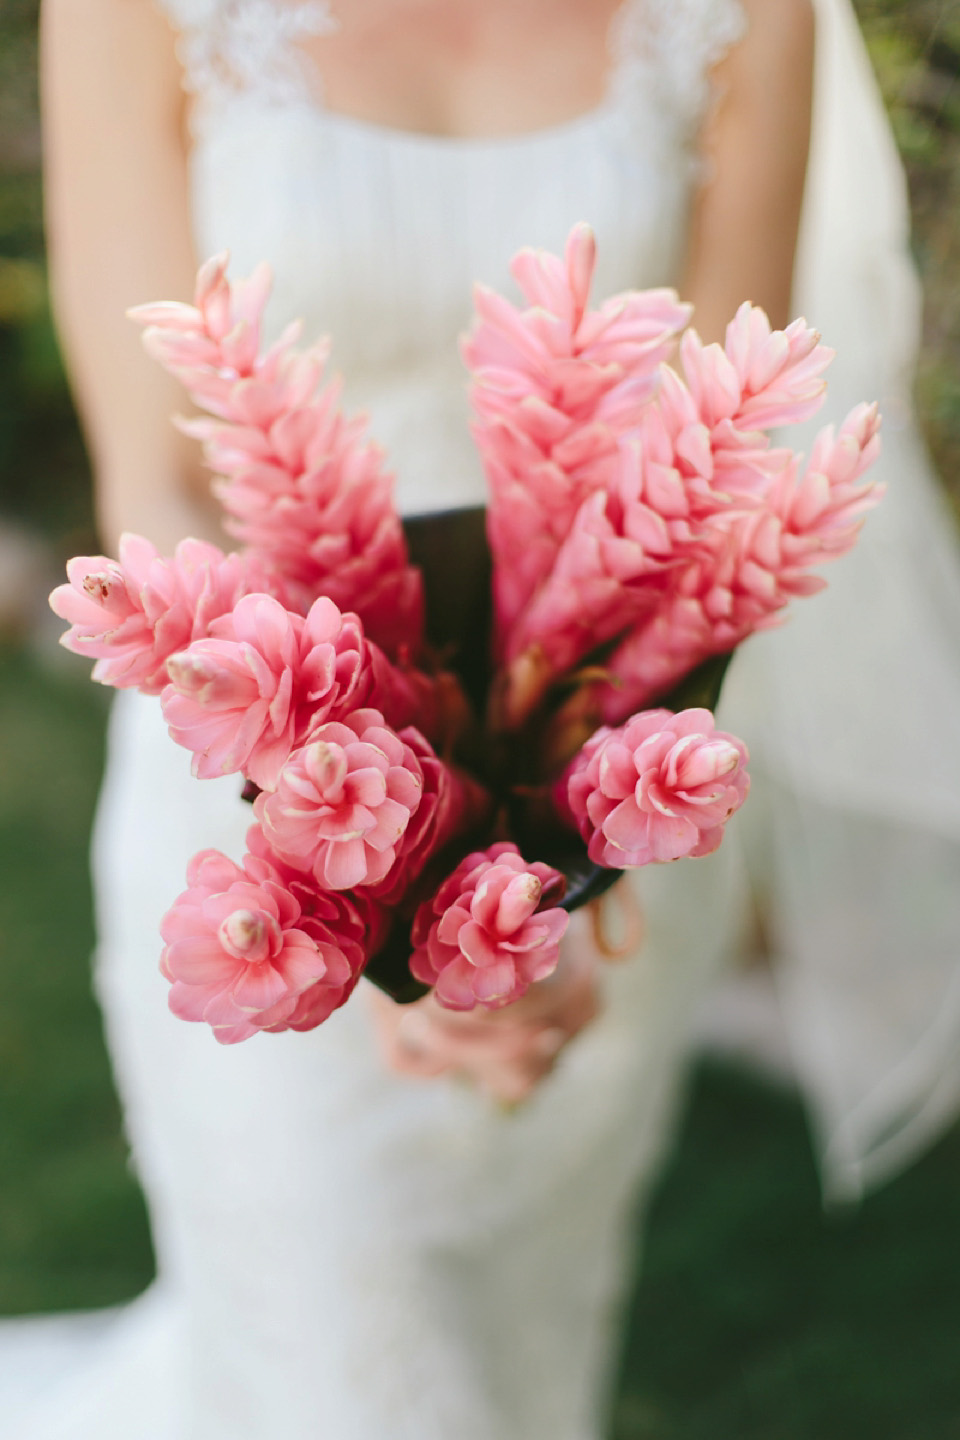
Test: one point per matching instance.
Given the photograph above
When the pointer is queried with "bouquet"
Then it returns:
(409, 823)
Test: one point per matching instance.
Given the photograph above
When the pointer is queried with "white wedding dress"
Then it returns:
(351, 1255)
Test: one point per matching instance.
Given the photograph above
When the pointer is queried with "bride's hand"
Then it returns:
(505, 1052)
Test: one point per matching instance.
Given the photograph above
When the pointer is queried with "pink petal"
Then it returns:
(671, 838)
(342, 864)
(258, 987)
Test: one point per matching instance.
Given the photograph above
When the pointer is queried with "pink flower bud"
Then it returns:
(302, 485)
(265, 679)
(249, 934)
(243, 954)
(344, 802)
(489, 931)
(660, 787)
(133, 615)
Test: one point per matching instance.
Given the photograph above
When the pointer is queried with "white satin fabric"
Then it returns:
(350, 1255)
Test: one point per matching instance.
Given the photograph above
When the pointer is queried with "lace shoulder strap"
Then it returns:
(235, 47)
(663, 52)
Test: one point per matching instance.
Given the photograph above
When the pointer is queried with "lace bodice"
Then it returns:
(376, 236)
(231, 47)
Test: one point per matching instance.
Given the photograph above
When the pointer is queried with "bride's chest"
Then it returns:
(476, 67)
(376, 235)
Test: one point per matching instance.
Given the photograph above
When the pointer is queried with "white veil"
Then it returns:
(860, 761)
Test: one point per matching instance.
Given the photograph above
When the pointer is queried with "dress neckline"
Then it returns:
(374, 131)
(237, 50)
(252, 48)
(321, 14)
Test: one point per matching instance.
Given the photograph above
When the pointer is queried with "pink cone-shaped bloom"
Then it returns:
(301, 484)
(657, 655)
(708, 607)
(311, 494)
(661, 787)
(779, 372)
(690, 476)
(131, 615)
(215, 342)
(717, 409)
(701, 456)
(718, 465)
(613, 568)
(757, 561)
(344, 801)
(555, 387)
(822, 511)
(238, 958)
(491, 930)
(592, 592)
(760, 378)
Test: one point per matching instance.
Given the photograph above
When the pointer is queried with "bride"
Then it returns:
(351, 1241)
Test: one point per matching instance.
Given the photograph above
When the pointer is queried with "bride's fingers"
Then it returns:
(507, 1065)
(409, 1044)
(516, 1077)
(506, 1052)
(420, 1037)
(578, 1005)
(417, 1040)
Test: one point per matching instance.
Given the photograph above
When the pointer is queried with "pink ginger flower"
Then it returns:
(760, 379)
(693, 457)
(450, 804)
(660, 787)
(239, 958)
(719, 465)
(555, 387)
(759, 560)
(491, 930)
(310, 492)
(131, 615)
(245, 697)
(823, 510)
(659, 653)
(344, 802)
(779, 372)
(709, 606)
(728, 396)
(250, 693)
(335, 922)
(215, 342)
(353, 923)
(301, 484)
(597, 584)
(613, 568)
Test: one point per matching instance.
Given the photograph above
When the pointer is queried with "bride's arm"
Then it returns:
(744, 228)
(118, 235)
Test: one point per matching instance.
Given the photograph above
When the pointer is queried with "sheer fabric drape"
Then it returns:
(849, 707)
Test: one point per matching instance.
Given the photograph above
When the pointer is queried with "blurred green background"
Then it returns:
(759, 1318)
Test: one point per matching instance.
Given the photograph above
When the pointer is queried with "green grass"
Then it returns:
(760, 1318)
(72, 1225)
